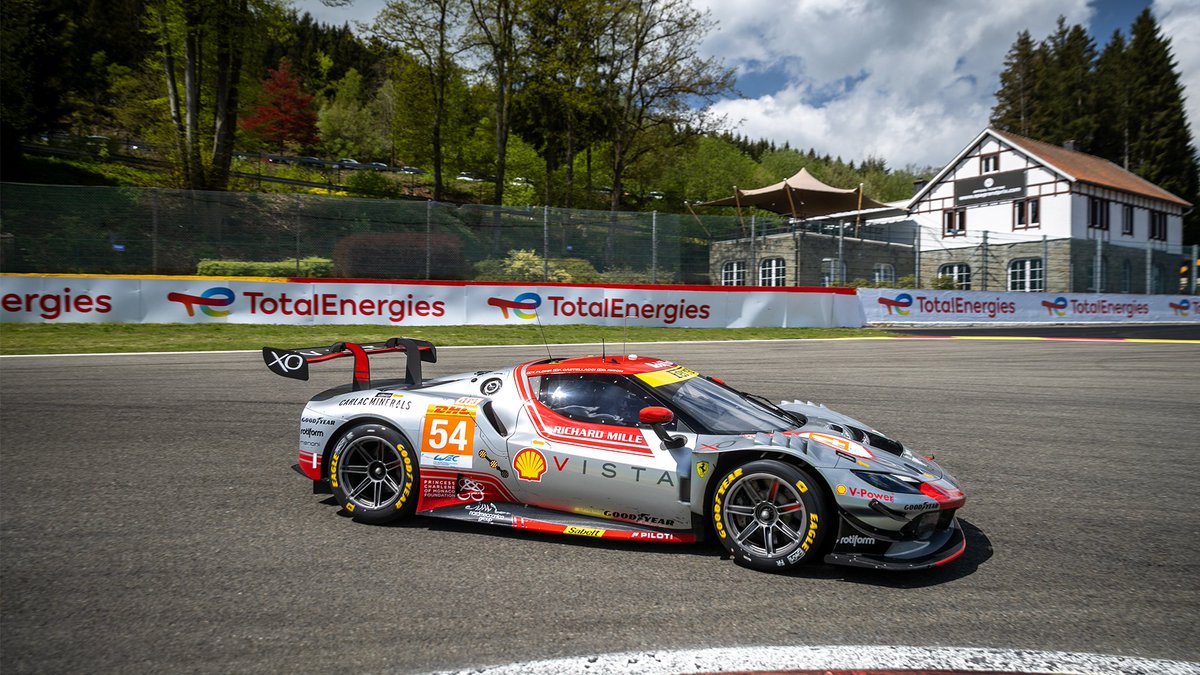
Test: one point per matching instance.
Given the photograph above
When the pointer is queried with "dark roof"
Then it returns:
(1089, 169)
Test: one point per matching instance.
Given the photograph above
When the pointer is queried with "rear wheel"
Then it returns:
(373, 474)
(769, 515)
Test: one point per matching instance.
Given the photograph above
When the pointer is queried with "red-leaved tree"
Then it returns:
(284, 115)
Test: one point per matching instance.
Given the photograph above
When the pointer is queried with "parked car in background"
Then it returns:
(347, 163)
(312, 161)
(379, 166)
(412, 170)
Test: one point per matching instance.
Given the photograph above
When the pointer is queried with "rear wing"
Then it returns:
(293, 363)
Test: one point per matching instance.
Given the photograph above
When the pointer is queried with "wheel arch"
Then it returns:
(725, 461)
(345, 428)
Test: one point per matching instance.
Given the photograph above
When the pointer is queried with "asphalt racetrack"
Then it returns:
(151, 522)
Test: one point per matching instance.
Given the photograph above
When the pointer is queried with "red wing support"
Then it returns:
(293, 363)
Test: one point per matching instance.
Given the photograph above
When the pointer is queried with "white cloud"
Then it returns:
(909, 81)
(929, 70)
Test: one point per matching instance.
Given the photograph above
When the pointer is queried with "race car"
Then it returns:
(621, 447)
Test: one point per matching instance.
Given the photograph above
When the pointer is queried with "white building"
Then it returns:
(1012, 213)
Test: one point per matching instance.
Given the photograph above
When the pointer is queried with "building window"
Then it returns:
(733, 274)
(1127, 220)
(959, 272)
(831, 275)
(1098, 213)
(1158, 225)
(885, 274)
(1027, 213)
(1127, 276)
(1027, 275)
(954, 222)
(771, 272)
(1157, 280)
(989, 163)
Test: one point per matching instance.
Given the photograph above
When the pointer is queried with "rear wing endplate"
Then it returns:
(293, 363)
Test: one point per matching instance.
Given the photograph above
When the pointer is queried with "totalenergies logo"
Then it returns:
(208, 301)
(1056, 308)
(524, 306)
(900, 303)
(1180, 308)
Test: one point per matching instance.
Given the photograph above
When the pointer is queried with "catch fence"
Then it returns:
(115, 230)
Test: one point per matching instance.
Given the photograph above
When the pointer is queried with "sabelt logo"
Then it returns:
(1056, 308)
(524, 306)
(209, 301)
(1180, 308)
(900, 304)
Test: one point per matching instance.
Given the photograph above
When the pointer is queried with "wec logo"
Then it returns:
(524, 306)
(900, 303)
(208, 301)
(1056, 308)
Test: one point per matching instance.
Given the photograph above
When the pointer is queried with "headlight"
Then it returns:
(890, 482)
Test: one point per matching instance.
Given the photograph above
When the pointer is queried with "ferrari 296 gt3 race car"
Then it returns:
(621, 447)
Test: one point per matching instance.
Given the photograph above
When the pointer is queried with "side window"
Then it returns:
(597, 399)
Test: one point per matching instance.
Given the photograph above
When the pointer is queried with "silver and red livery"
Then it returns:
(621, 447)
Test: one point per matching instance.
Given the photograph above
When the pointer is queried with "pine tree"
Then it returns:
(1113, 79)
(1160, 144)
(1015, 101)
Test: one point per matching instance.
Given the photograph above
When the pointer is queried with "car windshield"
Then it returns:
(721, 410)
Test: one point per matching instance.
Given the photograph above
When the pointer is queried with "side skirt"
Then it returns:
(522, 517)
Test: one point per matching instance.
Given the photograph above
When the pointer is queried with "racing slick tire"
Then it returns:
(769, 515)
(373, 473)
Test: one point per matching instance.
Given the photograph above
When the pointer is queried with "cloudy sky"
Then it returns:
(909, 81)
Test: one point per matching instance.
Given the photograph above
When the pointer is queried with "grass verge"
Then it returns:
(75, 338)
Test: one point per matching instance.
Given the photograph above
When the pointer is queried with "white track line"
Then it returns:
(783, 659)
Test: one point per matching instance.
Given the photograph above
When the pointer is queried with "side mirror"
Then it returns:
(656, 417)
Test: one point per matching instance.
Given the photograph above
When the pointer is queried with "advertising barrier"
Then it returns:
(920, 306)
(105, 299)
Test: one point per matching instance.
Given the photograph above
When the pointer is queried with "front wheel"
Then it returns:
(373, 473)
(769, 515)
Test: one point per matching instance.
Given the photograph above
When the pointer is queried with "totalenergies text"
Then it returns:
(961, 305)
(618, 308)
(331, 304)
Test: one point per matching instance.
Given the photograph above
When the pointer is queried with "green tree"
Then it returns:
(429, 31)
(1113, 108)
(1070, 87)
(1160, 147)
(652, 79)
(494, 32)
(1019, 83)
(557, 107)
(204, 44)
(347, 129)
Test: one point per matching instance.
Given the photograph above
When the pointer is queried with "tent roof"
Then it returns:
(802, 196)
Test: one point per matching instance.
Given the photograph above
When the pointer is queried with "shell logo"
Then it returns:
(530, 465)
